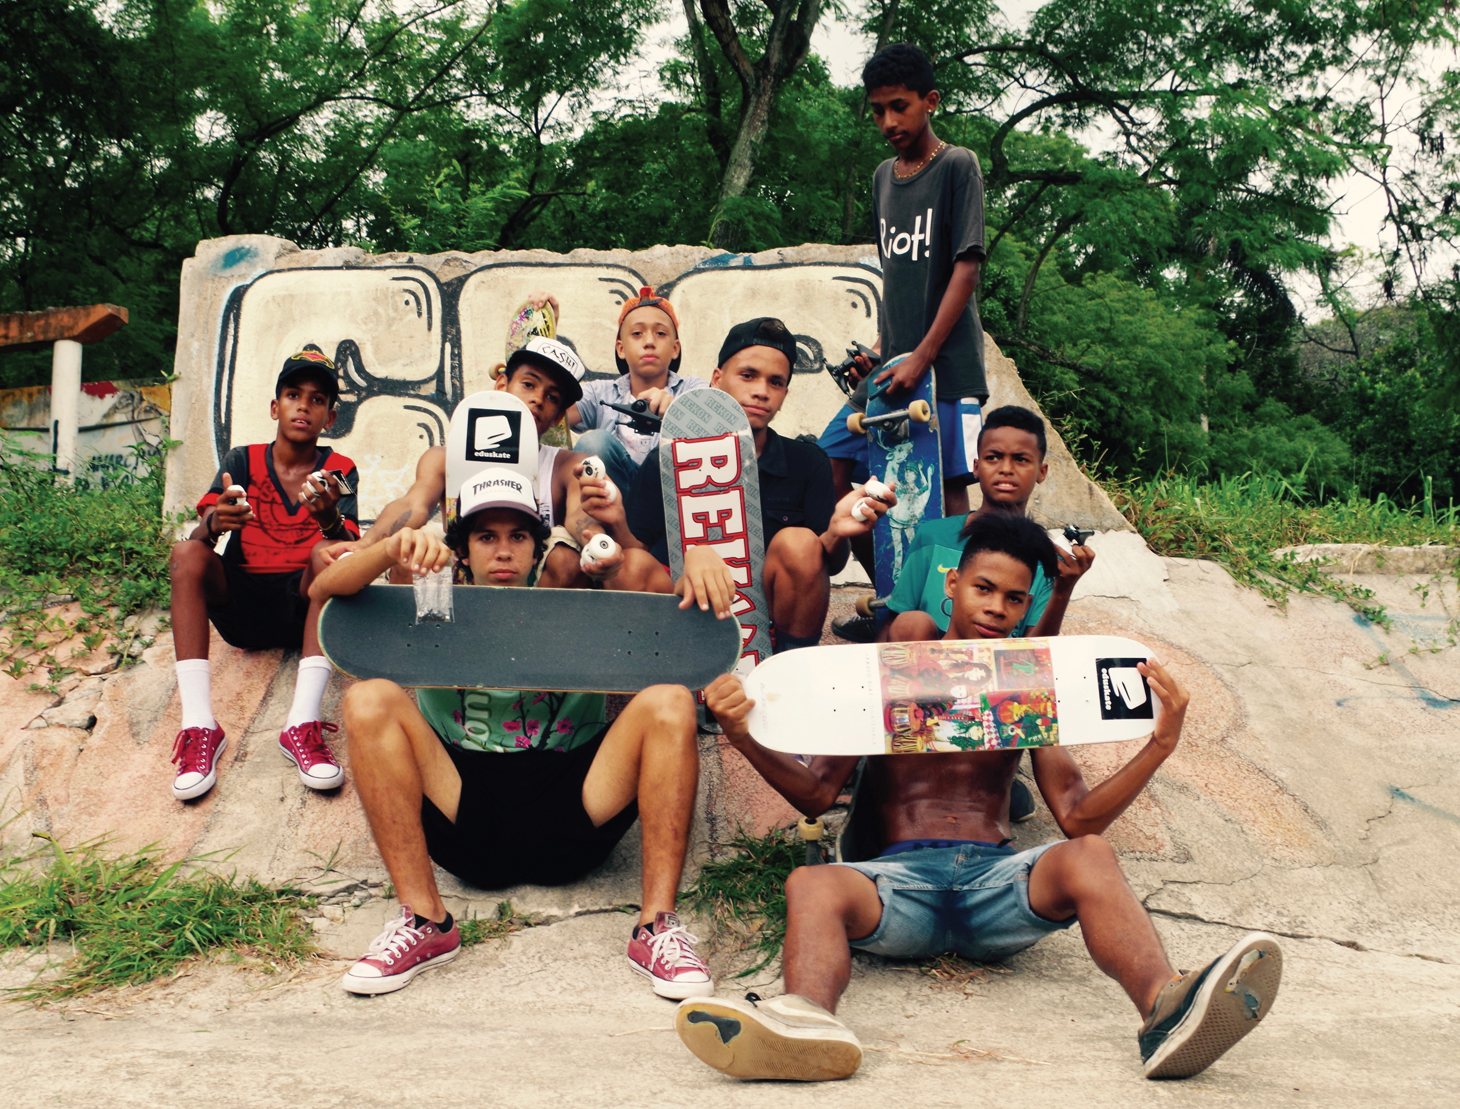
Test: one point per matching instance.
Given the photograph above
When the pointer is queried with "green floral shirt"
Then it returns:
(512, 720)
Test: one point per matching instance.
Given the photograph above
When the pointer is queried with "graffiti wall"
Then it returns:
(121, 423)
(412, 336)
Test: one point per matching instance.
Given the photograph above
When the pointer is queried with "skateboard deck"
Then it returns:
(905, 453)
(569, 640)
(527, 323)
(952, 695)
(490, 428)
(711, 489)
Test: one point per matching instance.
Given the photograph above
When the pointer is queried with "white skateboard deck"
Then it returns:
(490, 428)
(952, 695)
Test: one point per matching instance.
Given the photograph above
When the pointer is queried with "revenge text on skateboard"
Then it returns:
(952, 695)
(570, 640)
(711, 488)
(903, 450)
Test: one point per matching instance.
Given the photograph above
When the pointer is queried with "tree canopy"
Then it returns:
(1159, 178)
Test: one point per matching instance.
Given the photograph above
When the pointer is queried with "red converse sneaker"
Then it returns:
(196, 751)
(400, 953)
(304, 746)
(667, 958)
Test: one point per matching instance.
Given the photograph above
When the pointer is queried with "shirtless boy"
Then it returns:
(946, 879)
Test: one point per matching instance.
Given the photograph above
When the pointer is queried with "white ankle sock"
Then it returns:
(314, 675)
(195, 686)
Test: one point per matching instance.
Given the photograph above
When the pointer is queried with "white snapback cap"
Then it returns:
(496, 487)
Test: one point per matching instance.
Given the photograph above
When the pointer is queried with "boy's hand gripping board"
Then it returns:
(571, 640)
(903, 450)
(952, 695)
(491, 428)
(711, 487)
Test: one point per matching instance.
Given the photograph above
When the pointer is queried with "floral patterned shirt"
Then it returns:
(499, 720)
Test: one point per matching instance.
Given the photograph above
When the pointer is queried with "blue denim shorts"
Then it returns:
(972, 899)
(959, 422)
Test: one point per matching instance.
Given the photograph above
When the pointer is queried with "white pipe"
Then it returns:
(65, 403)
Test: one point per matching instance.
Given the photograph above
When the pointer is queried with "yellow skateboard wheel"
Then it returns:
(854, 424)
(919, 411)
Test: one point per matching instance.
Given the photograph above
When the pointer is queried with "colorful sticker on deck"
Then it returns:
(1124, 694)
(967, 696)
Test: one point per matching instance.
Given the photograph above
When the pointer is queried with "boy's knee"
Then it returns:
(189, 557)
(798, 552)
(816, 888)
(672, 708)
(911, 626)
(1090, 859)
(369, 703)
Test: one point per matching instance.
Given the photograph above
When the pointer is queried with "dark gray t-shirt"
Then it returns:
(924, 224)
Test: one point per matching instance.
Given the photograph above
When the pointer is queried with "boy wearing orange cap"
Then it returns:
(647, 353)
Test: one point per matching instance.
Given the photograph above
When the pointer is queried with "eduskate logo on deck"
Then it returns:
(493, 436)
(712, 511)
(1124, 694)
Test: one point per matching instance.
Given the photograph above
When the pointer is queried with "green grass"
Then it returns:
(480, 929)
(1240, 521)
(744, 894)
(103, 540)
(132, 918)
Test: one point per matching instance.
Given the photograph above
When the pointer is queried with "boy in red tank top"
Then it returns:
(278, 501)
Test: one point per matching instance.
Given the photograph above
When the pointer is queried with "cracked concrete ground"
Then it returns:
(1315, 795)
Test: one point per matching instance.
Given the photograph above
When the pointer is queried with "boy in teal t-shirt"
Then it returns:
(1010, 463)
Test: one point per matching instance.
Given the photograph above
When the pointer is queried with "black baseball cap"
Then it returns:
(767, 331)
(313, 361)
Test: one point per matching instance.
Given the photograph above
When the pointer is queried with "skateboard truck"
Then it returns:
(1075, 535)
(639, 417)
(919, 411)
(841, 373)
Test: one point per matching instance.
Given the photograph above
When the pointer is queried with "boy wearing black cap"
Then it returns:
(647, 353)
(806, 527)
(280, 501)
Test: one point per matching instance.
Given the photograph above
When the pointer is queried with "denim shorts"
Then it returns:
(959, 422)
(972, 899)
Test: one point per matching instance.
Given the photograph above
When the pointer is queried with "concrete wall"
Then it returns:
(413, 334)
(115, 418)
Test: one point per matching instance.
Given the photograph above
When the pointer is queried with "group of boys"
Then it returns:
(452, 777)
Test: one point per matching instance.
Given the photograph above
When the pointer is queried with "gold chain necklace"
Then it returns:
(918, 168)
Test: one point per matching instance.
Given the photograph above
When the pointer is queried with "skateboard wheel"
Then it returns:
(919, 411)
(862, 511)
(864, 604)
(879, 490)
(598, 548)
(854, 424)
(593, 467)
(811, 829)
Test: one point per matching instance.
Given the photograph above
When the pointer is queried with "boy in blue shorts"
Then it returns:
(945, 877)
(927, 210)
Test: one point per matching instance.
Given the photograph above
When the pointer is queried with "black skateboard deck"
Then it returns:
(569, 640)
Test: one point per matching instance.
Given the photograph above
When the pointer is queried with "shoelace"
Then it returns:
(396, 940)
(191, 751)
(673, 948)
(309, 741)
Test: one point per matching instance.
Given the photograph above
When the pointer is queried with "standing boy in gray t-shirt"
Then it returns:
(927, 212)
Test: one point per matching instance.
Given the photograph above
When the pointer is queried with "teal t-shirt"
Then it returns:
(934, 551)
(499, 720)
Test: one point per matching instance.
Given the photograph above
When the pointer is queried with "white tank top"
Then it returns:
(547, 460)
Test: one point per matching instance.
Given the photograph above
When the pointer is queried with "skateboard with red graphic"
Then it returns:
(711, 487)
(952, 695)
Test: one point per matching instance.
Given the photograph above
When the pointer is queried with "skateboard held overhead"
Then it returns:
(952, 695)
(711, 489)
(571, 640)
(490, 428)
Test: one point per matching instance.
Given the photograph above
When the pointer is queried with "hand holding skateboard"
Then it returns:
(902, 374)
(725, 697)
(1174, 700)
(706, 581)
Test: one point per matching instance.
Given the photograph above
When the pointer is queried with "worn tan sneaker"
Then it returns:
(786, 1037)
(1201, 1014)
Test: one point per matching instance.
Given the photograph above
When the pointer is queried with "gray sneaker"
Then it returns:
(786, 1037)
(1201, 1014)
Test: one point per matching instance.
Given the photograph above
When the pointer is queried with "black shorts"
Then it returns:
(520, 820)
(263, 610)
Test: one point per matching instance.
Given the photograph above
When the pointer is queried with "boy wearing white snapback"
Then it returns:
(503, 788)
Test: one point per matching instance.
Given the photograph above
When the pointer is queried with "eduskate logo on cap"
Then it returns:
(1124, 694)
(493, 435)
